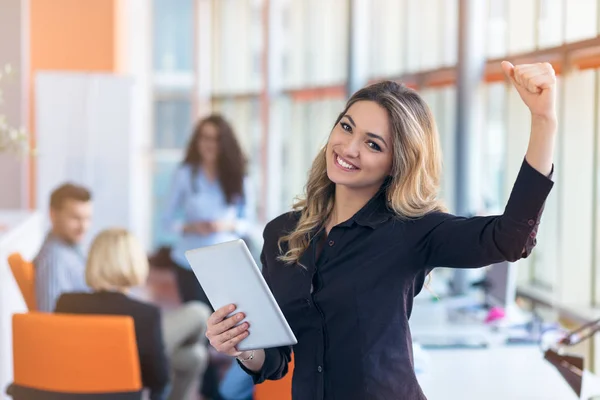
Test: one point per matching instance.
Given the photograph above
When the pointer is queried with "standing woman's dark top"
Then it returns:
(346, 266)
(353, 336)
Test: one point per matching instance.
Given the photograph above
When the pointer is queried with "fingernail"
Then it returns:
(240, 316)
(231, 307)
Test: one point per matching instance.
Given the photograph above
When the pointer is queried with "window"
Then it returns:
(449, 39)
(316, 43)
(521, 26)
(172, 123)
(244, 116)
(173, 35)
(413, 31)
(387, 38)
(493, 149)
(581, 20)
(596, 205)
(430, 51)
(161, 183)
(550, 24)
(237, 46)
(497, 34)
(575, 182)
(308, 133)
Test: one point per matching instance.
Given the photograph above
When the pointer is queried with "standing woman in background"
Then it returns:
(210, 196)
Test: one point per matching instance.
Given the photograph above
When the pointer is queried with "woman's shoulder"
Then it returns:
(431, 220)
(73, 302)
(282, 225)
(143, 306)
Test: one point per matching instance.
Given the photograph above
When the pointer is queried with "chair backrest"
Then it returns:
(75, 353)
(280, 389)
(24, 273)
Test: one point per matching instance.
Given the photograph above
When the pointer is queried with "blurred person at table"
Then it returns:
(171, 344)
(60, 262)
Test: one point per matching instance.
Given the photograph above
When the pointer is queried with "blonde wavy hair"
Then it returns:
(412, 190)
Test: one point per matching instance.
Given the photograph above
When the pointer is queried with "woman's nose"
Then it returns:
(351, 149)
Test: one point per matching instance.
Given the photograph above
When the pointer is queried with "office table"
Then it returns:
(499, 372)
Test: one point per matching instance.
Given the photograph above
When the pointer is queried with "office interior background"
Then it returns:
(280, 71)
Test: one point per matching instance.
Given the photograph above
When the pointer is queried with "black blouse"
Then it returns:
(354, 340)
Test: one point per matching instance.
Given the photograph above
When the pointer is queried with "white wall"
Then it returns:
(86, 136)
(24, 234)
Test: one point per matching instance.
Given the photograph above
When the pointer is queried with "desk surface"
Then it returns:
(493, 374)
(496, 373)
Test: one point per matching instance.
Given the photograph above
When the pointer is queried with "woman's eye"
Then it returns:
(346, 127)
(374, 146)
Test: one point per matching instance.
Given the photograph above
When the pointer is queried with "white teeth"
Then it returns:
(344, 163)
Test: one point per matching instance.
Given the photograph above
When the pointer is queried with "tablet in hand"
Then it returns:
(228, 274)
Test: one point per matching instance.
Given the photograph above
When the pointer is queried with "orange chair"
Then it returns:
(64, 356)
(24, 273)
(276, 390)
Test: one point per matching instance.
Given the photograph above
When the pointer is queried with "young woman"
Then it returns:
(172, 346)
(208, 191)
(346, 265)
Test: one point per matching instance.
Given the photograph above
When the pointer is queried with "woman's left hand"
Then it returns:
(223, 226)
(536, 84)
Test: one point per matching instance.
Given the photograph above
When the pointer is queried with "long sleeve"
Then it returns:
(277, 358)
(56, 274)
(451, 241)
(174, 201)
(153, 359)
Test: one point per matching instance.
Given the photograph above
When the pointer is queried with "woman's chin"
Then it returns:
(338, 179)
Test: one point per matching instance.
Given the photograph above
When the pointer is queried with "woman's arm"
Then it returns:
(536, 84)
(271, 364)
(224, 334)
(460, 242)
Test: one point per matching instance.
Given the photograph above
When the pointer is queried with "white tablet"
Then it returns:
(228, 274)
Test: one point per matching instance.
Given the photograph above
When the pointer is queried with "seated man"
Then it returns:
(60, 264)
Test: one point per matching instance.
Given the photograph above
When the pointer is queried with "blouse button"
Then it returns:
(331, 243)
(320, 369)
(532, 235)
(531, 222)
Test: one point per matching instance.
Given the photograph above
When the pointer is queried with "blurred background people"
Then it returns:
(208, 204)
(208, 201)
(172, 346)
(60, 263)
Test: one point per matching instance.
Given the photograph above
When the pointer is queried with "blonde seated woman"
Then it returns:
(171, 346)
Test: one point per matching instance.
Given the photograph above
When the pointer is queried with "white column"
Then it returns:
(471, 61)
(134, 48)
